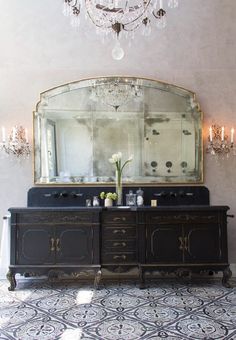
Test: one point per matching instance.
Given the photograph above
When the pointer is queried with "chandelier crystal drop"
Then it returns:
(120, 18)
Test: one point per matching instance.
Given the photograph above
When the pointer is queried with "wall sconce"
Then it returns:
(17, 143)
(218, 140)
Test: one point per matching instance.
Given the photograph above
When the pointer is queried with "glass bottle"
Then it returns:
(130, 198)
(139, 193)
(95, 201)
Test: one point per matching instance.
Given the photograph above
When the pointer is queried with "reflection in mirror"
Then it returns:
(78, 126)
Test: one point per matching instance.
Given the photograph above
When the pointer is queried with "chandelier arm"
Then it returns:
(91, 18)
(120, 10)
(138, 17)
(132, 29)
(75, 7)
(103, 8)
(69, 3)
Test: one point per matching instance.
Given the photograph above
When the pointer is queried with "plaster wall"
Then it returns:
(39, 50)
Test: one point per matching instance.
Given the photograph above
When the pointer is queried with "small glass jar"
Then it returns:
(131, 198)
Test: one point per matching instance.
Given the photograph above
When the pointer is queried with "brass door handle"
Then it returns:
(52, 240)
(186, 243)
(117, 231)
(183, 243)
(116, 257)
(58, 244)
(181, 246)
(117, 244)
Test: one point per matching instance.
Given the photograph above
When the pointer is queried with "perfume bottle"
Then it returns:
(130, 198)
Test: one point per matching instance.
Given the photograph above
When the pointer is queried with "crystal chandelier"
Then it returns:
(119, 17)
(116, 94)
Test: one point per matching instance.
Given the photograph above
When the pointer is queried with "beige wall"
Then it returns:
(39, 49)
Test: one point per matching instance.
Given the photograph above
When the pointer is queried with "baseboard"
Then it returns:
(129, 275)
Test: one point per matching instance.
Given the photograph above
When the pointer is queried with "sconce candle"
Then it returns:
(210, 133)
(232, 135)
(13, 134)
(3, 134)
(222, 133)
(26, 136)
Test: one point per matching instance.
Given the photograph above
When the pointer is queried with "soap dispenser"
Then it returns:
(139, 193)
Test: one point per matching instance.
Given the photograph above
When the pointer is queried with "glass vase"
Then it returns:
(119, 190)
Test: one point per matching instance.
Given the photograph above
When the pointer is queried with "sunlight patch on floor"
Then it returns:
(71, 334)
(84, 296)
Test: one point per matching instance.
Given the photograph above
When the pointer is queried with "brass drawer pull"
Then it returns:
(57, 244)
(122, 257)
(52, 244)
(119, 231)
(117, 244)
(115, 219)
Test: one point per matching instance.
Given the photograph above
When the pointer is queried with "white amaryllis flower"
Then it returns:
(116, 157)
(130, 158)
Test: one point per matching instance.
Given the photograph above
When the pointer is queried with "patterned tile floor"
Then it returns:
(72, 311)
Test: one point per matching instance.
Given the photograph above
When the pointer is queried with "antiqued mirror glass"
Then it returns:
(78, 126)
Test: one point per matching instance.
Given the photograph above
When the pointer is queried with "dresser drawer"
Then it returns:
(124, 257)
(119, 217)
(62, 217)
(120, 245)
(182, 217)
(118, 232)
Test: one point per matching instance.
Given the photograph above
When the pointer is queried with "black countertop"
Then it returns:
(125, 208)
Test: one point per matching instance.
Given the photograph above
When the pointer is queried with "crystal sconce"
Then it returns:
(219, 142)
(16, 143)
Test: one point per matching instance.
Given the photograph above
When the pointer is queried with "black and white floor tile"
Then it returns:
(39, 310)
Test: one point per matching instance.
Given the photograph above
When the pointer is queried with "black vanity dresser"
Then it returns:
(57, 234)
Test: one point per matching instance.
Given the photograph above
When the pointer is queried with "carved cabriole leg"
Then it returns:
(227, 273)
(142, 284)
(11, 278)
(97, 279)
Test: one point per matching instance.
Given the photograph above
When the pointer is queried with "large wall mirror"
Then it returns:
(78, 126)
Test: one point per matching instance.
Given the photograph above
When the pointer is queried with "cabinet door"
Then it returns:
(202, 243)
(74, 244)
(35, 245)
(164, 244)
